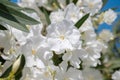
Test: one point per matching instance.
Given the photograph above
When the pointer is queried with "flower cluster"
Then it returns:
(59, 50)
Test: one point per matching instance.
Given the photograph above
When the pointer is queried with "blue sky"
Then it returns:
(110, 4)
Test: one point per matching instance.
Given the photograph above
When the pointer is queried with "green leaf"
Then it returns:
(10, 4)
(2, 27)
(19, 16)
(6, 73)
(114, 64)
(17, 77)
(67, 2)
(57, 3)
(116, 28)
(28, 10)
(104, 2)
(22, 64)
(57, 59)
(46, 13)
(81, 21)
(14, 24)
(75, 1)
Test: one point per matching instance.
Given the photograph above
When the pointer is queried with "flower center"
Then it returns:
(62, 37)
(91, 5)
(33, 51)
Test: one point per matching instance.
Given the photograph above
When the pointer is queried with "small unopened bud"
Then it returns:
(16, 65)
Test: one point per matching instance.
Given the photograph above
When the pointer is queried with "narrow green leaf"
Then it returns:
(75, 1)
(67, 2)
(17, 77)
(14, 24)
(57, 3)
(28, 10)
(104, 2)
(46, 13)
(2, 27)
(6, 73)
(10, 4)
(57, 59)
(81, 21)
(114, 64)
(20, 17)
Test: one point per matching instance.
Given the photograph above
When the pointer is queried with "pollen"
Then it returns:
(46, 74)
(33, 51)
(91, 5)
(62, 37)
(73, 15)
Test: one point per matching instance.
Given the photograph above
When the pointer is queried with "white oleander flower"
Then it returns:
(74, 57)
(20, 36)
(88, 35)
(31, 49)
(93, 50)
(72, 13)
(91, 74)
(68, 74)
(57, 16)
(91, 6)
(47, 73)
(109, 16)
(35, 30)
(62, 36)
(7, 45)
(106, 35)
(5, 41)
(71, 74)
(116, 75)
(87, 25)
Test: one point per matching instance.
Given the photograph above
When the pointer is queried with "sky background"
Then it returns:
(110, 4)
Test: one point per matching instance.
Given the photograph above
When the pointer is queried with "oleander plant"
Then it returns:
(58, 40)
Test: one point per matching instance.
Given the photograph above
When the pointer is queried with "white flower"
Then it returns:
(57, 16)
(92, 74)
(106, 35)
(74, 57)
(93, 50)
(70, 74)
(109, 16)
(72, 13)
(5, 40)
(22, 37)
(89, 35)
(32, 61)
(87, 25)
(91, 6)
(8, 45)
(31, 50)
(116, 75)
(63, 36)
